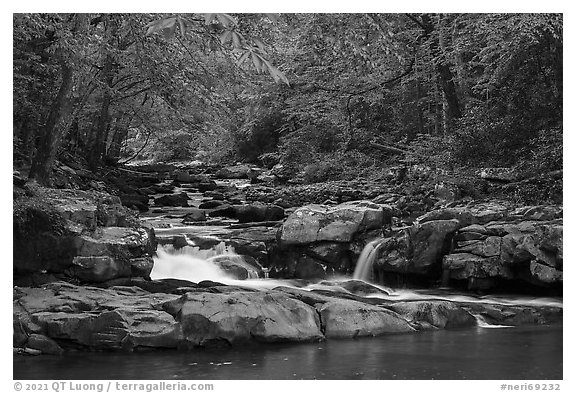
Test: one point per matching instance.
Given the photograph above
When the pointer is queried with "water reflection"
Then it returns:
(518, 353)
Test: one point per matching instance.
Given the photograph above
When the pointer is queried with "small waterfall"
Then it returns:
(366, 260)
(192, 264)
(481, 322)
(185, 267)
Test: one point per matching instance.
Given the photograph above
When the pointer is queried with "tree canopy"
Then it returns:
(323, 94)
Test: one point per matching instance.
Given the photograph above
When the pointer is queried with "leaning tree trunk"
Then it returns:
(53, 129)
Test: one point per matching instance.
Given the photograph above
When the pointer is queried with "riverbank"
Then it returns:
(83, 271)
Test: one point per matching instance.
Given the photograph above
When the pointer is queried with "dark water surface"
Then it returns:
(533, 353)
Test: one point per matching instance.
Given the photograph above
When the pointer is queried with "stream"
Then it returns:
(483, 352)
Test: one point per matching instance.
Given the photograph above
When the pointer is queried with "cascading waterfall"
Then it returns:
(194, 264)
(185, 267)
(367, 257)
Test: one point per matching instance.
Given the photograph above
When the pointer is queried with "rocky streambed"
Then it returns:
(82, 272)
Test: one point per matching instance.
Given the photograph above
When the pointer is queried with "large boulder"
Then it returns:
(314, 223)
(348, 318)
(88, 317)
(240, 316)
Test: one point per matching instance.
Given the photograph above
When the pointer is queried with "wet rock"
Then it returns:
(141, 267)
(212, 204)
(435, 313)
(347, 318)
(206, 186)
(216, 195)
(464, 266)
(361, 288)
(98, 268)
(135, 201)
(194, 215)
(336, 255)
(172, 200)
(244, 316)
(223, 210)
(187, 177)
(429, 241)
(339, 223)
(240, 267)
(117, 242)
(488, 247)
(90, 317)
(258, 212)
(44, 344)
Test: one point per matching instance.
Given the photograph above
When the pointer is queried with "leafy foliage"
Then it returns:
(453, 92)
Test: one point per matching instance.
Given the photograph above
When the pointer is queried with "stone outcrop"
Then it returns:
(60, 316)
(482, 244)
(529, 250)
(86, 235)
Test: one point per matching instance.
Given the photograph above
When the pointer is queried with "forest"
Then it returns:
(327, 96)
(292, 186)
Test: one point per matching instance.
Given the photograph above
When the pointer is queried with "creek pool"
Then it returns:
(523, 353)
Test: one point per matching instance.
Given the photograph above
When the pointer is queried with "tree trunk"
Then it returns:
(120, 134)
(51, 132)
(99, 146)
(444, 71)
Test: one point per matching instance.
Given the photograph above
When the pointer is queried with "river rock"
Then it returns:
(194, 215)
(240, 171)
(240, 267)
(98, 268)
(186, 177)
(429, 241)
(347, 318)
(435, 314)
(258, 212)
(211, 204)
(115, 318)
(241, 316)
(180, 199)
(44, 344)
(313, 223)
(135, 201)
(463, 266)
(118, 242)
